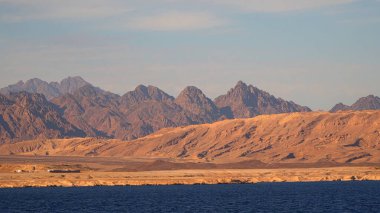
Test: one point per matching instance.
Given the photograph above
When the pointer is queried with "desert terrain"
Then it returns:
(108, 171)
(313, 146)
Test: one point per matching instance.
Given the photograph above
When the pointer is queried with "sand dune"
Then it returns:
(316, 137)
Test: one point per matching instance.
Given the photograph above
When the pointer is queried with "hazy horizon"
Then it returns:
(315, 53)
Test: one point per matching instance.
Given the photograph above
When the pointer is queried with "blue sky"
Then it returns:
(316, 53)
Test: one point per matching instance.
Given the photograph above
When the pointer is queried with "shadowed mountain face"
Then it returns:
(94, 111)
(135, 114)
(245, 101)
(50, 90)
(146, 109)
(26, 116)
(195, 102)
(370, 102)
(149, 109)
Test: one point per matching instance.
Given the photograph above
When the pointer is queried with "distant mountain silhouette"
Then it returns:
(370, 102)
(340, 107)
(245, 101)
(82, 109)
(49, 90)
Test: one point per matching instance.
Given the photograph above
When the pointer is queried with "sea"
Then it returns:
(355, 196)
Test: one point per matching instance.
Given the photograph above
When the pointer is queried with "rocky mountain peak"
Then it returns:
(195, 101)
(158, 95)
(143, 93)
(339, 107)
(35, 81)
(191, 90)
(50, 90)
(141, 90)
(71, 84)
(369, 102)
(239, 90)
(193, 96)
(244, 101)
(241, 85)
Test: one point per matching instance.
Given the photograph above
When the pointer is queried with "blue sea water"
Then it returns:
(263, 197)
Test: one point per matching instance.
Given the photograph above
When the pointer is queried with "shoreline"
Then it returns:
(180, 184)
(187, 177)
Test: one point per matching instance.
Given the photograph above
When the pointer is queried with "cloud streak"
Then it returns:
(275, 6)
(176, 21)
(26, 10)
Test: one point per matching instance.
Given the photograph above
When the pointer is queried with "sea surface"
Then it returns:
(263, 197)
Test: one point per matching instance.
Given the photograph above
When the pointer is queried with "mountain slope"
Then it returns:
(24, 116)
(245, 101)
(95, 112)
(318, 137)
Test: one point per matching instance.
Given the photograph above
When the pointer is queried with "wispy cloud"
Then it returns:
(127, 14)
(272, 6)
(176, 21)
(26, 10)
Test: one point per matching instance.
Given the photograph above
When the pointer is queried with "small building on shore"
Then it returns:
(63, 171)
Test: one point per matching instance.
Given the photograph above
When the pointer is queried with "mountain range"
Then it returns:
(81, 109)
(75, 108)
(49, 90)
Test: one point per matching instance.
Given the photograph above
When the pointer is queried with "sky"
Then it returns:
(315, 53)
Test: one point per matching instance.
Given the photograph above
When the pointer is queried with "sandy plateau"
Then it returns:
(315, 146)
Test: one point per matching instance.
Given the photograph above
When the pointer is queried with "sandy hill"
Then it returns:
(315, 137)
